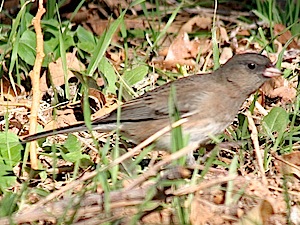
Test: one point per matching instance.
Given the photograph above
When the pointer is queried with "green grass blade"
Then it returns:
(103, 44)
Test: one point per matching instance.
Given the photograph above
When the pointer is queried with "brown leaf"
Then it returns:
(56, 69)
(200, 213)
(283, 38)
(43, 83)
(287, 94)
(203, 23)
(222, 35)
(279, 87)
(7, 89)
(111, 105)
(260, 214)
(96, 98)
(183, 51)
(200, 46)
(99, 25)
(293, 159)
(225, 55)
(158, 217)
(243, 33)
(64, 118)
(180, 48)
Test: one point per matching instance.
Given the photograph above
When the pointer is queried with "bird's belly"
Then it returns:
(197, 134)
(203, 134)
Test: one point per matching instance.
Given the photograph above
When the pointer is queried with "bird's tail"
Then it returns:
(63, 130)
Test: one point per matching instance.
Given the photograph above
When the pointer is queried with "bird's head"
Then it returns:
(249, 71)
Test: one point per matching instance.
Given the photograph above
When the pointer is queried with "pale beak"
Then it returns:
(272, 72)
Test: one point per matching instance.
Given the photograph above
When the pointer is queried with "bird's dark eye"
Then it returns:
(251, 66)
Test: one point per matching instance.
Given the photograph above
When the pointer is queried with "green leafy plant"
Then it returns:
(10, 156)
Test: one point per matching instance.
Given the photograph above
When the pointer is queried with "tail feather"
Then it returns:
(63, 130)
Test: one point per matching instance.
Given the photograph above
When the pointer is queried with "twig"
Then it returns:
(19, 104)
(285, 161)
(90, 204)
(203, 185)
(283, 191)
(254, 137)
(35, 81)
(153, 170)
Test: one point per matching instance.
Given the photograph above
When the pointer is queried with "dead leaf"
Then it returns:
(295, 214)
(279, 87)
(43, 83)
(225, 55)
(158, 217)
(98, 25)
(292, 158)
(243, 33)
(287, 94)
(200, 213)
(117, 56)
(180, 47)
(200, 46)
(260, 214)
(64, 118)
(203, 23)
(7, 89)
(218, 197)
(222, 35)
(100, 82)
(56, 69)
(96, 98)
(292, 55)
(183, 51)
(283, 38)
(117, 4)
(111, 104)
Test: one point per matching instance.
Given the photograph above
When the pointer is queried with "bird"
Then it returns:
(209, 102)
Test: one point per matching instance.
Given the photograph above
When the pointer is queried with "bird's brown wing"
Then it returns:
(155, 104)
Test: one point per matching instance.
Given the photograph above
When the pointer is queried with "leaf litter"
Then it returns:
(252, 200)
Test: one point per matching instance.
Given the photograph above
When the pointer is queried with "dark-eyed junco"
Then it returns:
(209, 102)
